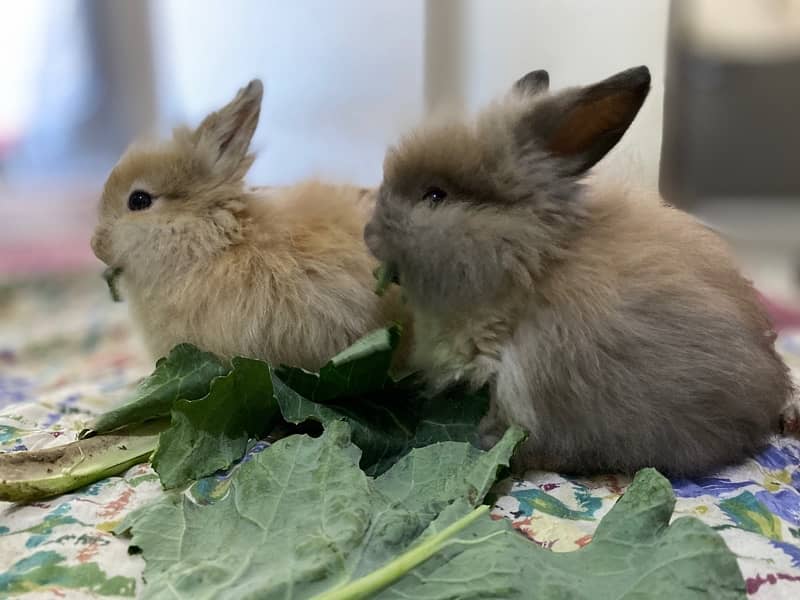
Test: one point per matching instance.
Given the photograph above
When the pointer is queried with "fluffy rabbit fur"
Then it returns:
(615, 329)
(278, 274)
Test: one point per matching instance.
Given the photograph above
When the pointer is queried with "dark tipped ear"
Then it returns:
(534, 82)
(226, 134)
(581, 125)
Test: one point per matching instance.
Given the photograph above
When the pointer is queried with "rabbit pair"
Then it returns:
(277, 274)
(615, 329)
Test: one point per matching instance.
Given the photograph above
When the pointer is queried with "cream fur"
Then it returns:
(279, 274)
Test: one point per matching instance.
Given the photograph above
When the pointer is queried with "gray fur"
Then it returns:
(534, 82)
(616, 330)
(612, 103)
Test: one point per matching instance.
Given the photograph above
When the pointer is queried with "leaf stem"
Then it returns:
(370, 584)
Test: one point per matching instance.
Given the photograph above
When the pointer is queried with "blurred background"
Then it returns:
(718, 135)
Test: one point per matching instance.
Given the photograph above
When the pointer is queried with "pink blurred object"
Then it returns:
(46, 227)
(783, 316)
(45, 257)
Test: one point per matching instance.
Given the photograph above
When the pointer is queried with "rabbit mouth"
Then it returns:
(111, 275)
(386, 274)
(393, 274)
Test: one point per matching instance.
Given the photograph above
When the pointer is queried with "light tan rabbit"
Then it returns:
(278, 274)
(616, 330)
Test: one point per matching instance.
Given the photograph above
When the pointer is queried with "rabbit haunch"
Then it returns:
(617, 330)
(279, 274)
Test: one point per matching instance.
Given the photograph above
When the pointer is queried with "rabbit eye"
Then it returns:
(139, 200)
(434, 195)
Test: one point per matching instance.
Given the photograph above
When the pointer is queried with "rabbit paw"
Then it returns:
(491, 428)
(790, 418)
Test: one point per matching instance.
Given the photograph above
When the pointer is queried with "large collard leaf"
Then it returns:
(290, 513)
(186, 373)
(212, 432)
(211, 424)
(423, 483)
(389, 422)
(635, 553)
(302, 518)
(214, 414)
(361, 369)
(451, 415)
(387, 417)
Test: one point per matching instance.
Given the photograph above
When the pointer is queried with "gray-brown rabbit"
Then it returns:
(615, 329)
(279, 274)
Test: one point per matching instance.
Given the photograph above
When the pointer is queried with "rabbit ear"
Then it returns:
(225, 134)
(534, 82)
(581, 125)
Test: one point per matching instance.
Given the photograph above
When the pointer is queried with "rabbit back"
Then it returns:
(644, 347)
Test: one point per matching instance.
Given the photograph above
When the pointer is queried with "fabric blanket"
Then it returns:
(67, 353)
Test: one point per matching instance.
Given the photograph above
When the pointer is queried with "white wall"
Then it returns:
(342, 79)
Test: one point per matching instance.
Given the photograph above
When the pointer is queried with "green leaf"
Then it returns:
(302, 518)
(390, 422)
(26, 476)
(385, 275)
(383, 577)
(387, 417)
(427, 478)
(635, 553)
(111, 275)
(451, 415)
(422, 484)
(185, 374)
(363, 368)
(214, 414)
(215, 411)
(211, 433)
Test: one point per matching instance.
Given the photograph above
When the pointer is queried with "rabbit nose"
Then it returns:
(97, 246)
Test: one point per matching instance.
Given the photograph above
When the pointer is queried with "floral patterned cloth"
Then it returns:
(67, 352)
